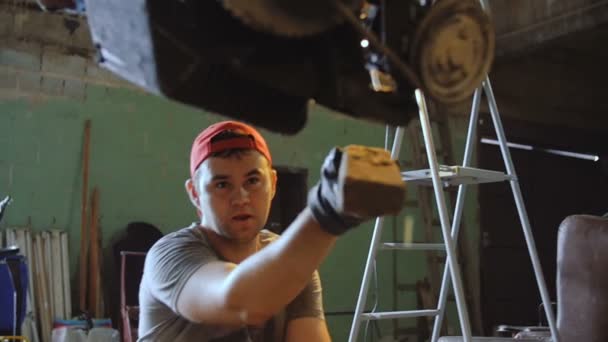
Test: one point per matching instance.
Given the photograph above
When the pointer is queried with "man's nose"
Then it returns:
(241, 195)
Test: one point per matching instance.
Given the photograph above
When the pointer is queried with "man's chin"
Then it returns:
(244, 234)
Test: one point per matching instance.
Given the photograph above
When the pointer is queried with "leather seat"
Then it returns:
(582, 279)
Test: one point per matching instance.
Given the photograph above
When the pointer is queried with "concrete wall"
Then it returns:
(522, 25)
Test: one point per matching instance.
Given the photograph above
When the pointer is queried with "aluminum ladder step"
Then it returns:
(455, 175)
(413, 246)
(399, 314)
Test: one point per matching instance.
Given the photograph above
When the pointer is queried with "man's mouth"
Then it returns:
(242, 217)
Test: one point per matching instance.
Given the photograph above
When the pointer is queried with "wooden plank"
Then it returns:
(99, 304)
(56, 275)
(41, 286)
(30, 268)
(427, 203)
(83, 218)
(48, 270)
(93, 285)
(65, 270)
(35, 265)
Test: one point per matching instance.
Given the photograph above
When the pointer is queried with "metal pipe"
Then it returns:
(521, 210)
(371, 257)
(444, 217)
(468, 154)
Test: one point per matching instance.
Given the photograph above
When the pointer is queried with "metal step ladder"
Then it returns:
(430, 285)
(440, 176)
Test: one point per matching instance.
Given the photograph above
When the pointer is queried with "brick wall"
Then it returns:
(47, 55)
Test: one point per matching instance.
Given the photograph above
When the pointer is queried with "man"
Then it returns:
(222, 279)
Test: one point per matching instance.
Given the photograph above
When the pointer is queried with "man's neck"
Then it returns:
(230, 250)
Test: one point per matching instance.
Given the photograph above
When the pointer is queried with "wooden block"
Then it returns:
(370, 181)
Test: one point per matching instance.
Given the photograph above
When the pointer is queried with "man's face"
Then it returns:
(235, 194)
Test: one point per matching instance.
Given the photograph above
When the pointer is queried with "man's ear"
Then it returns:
(273, 179)
(192, 194)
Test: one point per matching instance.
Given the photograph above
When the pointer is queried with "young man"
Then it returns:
(222, 279)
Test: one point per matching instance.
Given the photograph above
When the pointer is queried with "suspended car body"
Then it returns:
(262, 61)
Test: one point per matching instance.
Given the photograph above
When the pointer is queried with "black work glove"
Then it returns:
(323, 197)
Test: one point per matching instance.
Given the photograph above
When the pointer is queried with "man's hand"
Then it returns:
(356, 184)
(324, 196)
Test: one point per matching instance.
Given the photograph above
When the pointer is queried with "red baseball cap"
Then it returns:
(202, 147)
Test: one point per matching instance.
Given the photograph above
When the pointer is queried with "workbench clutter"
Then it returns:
(35, 287)
(44, 292)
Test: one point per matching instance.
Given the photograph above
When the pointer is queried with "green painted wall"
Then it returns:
(139, 161)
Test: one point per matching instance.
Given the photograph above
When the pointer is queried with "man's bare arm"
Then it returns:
(263, 284)
(307, 329)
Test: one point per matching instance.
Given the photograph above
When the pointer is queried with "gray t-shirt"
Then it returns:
(171, 262)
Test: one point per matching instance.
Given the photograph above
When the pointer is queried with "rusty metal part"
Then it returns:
(292, 18)
(203, 56)
(382, 81)
(375, 42)
(371, 182)
(453, 49)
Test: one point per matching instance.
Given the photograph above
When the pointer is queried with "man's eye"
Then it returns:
(221, 185)
(254, 180)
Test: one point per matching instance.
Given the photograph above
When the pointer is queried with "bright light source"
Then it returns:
(546, 150)
(574, 155)
(513, 145)
(364, 43)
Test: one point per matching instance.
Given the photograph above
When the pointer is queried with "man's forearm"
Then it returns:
(267, 281)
